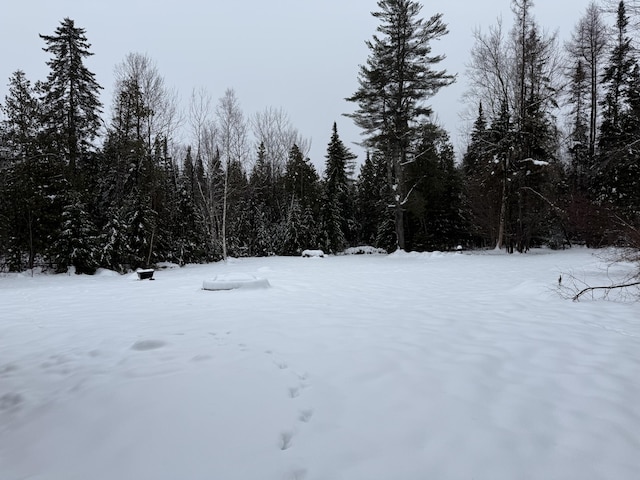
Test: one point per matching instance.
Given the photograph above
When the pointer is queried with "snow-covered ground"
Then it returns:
(362, 367)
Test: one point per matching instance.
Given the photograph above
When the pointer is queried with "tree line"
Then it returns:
(81, 191)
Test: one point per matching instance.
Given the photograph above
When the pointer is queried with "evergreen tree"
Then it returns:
(372, 206)
(189, 175)
(77, 244)
(579, 134)
(261, 203)
(337, 196)
(70, 95)
(301, 187)
(396, 81)
(20, 162)
(619, 149)
(479, 147)
(191, 234)
(21, 126)
(114, 240)
(239, 224)
(434, 218)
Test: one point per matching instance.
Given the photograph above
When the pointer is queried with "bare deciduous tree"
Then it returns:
(588, 45)
(159, 101)
(234, 146)
(273, 129)
(200, 116)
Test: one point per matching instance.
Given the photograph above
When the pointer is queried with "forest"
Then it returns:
(553, 156)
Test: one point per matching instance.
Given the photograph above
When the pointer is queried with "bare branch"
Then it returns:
(610, 287)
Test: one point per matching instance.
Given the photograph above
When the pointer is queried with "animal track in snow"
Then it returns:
(285, 439)
(294, 392)
(305, 415)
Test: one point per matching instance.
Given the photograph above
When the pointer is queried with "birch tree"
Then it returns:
(233, 147)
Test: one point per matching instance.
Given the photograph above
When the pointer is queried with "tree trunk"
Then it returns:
(503, 209)
(399, 220)
(224, 213)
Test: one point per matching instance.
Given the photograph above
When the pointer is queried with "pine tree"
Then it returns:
(396, 81)
(70, 95)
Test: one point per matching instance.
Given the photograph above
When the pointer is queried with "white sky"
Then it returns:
(298, 55)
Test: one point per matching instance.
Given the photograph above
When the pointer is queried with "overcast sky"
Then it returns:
(298, 55)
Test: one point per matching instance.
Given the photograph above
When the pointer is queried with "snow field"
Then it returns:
(409, 366)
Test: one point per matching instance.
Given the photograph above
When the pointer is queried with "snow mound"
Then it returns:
(312, 253)
(231, 281)
(167, 265)
(365, 250)
(105, 272)
(419, 255)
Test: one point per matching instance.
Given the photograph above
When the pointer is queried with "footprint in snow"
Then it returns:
(297, 474)
(285, 440)
(144, 345)
(10, 400)
(294, 392)
(7, 369)
(305, 415)
(201, 358)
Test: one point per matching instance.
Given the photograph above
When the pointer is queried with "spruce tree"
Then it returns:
(20, 162)
(21, 126)
(302, 194)
(479, 150)
(77, 243)
(337, 195)
(70, 95)
(434, 220)
(239, 223)
(619, 151)
(579, 133)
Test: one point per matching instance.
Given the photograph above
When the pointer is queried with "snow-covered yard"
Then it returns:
(363, 367)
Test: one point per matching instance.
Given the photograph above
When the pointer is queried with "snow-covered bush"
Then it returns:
(364, 250)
